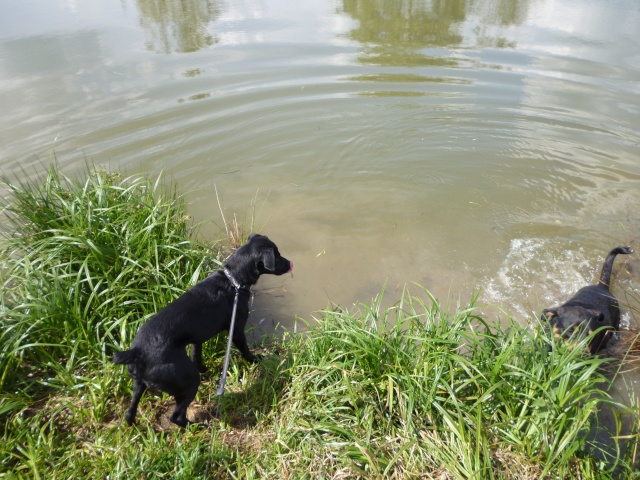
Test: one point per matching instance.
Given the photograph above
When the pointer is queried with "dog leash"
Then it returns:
(225, 368)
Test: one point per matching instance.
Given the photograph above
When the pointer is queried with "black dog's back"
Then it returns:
(191, 318)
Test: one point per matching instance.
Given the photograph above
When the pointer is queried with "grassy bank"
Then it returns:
(369, 393)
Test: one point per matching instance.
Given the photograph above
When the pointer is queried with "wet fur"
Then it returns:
(590, 309)
(158, 360)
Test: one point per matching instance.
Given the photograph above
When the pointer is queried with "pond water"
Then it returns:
(466, 145)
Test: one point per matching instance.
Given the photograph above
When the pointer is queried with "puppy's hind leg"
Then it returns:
(196, 357)
(183, 385)
(183, 400)
(138, 390)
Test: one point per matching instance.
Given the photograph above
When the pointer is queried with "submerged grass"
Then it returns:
(410, 391)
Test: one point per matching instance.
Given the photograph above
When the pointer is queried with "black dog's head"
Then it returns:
(256, 257)
(574, 324)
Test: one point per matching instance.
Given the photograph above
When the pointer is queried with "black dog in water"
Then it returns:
(593, 307)
(158, 359)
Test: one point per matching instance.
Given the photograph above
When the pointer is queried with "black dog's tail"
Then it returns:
(605, 276)
(127, 357)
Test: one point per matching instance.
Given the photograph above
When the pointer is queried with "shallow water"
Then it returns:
(464, 145)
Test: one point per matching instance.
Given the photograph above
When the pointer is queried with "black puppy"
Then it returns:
(158, 359)
(593, 307)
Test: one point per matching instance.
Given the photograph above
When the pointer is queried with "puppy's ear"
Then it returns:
(548, 314)
(253, 235)
(269, 259)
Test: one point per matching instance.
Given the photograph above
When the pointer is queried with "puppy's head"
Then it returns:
(267, 256)
(257, 257)
(574, 324)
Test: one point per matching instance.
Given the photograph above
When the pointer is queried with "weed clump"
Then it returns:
(83, 263)
(411, 389)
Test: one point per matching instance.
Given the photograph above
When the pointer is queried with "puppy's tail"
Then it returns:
(127, 357)
(605, 276)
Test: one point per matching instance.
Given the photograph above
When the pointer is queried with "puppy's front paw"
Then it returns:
(251, 358)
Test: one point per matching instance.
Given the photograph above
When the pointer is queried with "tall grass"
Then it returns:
(83, 263)
(411, 391)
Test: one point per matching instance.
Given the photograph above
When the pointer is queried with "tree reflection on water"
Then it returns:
(397, 33)
(178, 26)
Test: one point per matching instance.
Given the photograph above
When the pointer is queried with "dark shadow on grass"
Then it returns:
(241, 406)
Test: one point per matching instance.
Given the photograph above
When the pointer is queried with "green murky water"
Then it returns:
(464, 145)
